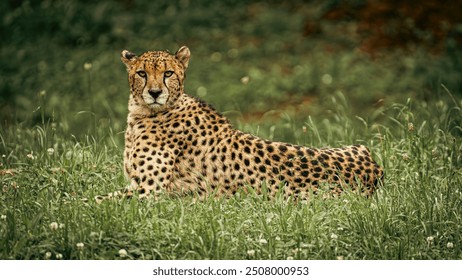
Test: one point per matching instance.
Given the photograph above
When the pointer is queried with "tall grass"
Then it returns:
(47, 209)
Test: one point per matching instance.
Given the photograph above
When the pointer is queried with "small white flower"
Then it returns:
(42, 93)
(334, 236)
(50, 151)
(327, 79)
(340, 258)
(263, 241)
(80, 246)
(31, 155)
(430, 240)
(406, 157)
(245, 80)
(304, 129)
(47, 255)
(54, 226)
(3, 217)
(277, 238)
(251, 253)
(123, 253)
(410, 127)
(59, 256)
(87, 66)
(450, 245)
(290, 258)
(61, 226)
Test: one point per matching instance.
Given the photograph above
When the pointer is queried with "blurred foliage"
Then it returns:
(260, 59)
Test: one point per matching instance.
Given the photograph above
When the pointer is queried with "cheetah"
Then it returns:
(178, 144)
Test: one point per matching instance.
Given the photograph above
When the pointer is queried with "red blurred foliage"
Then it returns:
(400, 24)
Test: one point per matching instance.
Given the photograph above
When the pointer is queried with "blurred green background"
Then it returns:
(256, 61)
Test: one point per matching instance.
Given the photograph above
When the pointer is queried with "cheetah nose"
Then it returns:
(154, 92)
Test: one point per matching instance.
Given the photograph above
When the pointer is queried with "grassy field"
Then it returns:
(63, 110)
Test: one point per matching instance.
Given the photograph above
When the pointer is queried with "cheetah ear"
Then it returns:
(183, 55)
(128, 57)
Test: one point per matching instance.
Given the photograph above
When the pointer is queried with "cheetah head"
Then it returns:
(156, 78)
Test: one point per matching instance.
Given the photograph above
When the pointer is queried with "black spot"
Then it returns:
(247, 150)
(259, 145)
(257, 159)
(270, 149)
(144, 137)
(314, 162)
(235, 145)
(275, 157)
(142, 162)
(236, 166)
(304, 173)
(262, 168)
(150, 167)
(282, 148)
(150, 182)
(246, 162)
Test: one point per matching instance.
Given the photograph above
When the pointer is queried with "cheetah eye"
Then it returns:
(168, 74)
(141, 73)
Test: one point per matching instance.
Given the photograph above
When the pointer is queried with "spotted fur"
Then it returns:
(178, 144)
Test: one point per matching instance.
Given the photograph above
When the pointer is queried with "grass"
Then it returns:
(416, 215)
(63, 114)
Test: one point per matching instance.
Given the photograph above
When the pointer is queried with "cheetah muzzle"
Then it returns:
(177, 144)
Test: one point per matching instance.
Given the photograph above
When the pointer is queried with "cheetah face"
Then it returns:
(156, 77)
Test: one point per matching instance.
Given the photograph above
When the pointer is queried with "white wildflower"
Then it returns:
(123, 253)
(251, 253)
(3, 217)
(430, 240)
(450, 245)
(59, 256)
(31, 155)
(263, 241)
(87, 66)
(340, 258)
(406, 157)
(80, 246)
(327, 79)
(334, 236)
(54, 226)
(290, 258)
(245, 80)
(410, 127)
(50, 151)
(47, 255)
